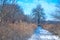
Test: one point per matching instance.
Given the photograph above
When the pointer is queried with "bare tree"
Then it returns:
(38, 14)
(3, 4)
(12, 13)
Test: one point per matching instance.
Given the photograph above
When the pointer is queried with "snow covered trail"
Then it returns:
(42, 34)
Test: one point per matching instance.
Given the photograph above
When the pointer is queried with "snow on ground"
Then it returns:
(42, 34)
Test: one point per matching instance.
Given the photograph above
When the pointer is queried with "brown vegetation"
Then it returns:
(16, 31)
(12, 28)
(52, 27)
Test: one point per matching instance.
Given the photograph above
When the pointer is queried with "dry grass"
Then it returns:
(23, 30)
(54, 28)
(16, 31)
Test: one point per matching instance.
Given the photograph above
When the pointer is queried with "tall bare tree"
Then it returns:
(12, 13)
(38, 13)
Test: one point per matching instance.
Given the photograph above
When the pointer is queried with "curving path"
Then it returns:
(42, 34)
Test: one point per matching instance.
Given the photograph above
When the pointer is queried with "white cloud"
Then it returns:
(27, 6)
(48, 7)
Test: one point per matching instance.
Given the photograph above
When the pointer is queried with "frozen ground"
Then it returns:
(42, 34)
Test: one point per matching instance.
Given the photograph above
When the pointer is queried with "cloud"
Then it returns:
(48, 8)
(28, 5)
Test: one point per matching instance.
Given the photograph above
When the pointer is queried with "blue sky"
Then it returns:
(48, 5)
